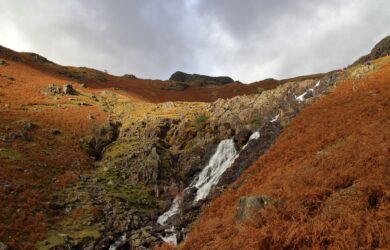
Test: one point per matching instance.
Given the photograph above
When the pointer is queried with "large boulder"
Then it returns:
(249, 206)
(179, 76)
(68, 89)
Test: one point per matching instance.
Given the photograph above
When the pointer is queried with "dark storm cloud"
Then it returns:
(248, 40)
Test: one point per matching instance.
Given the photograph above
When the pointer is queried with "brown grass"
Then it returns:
(140, 90)
(330, 171)
(32, 171)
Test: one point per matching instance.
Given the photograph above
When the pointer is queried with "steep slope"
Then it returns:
(45, 173)
(39, 151)
(327, 178)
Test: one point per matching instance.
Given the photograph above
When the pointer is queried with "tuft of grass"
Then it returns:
(9, 154)
(200, 120)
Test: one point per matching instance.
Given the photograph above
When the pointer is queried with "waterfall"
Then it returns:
(222, 159)
(301, 98)
(171, 212)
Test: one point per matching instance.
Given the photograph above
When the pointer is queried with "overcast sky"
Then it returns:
(248, 40)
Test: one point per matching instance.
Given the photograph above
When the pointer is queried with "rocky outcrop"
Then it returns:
(199, 80)
(129, 76)
(103, 136)
(53, 89)
(381, 49)
(254, 149)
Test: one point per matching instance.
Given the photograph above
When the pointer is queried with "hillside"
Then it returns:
(43, 131)
(327, 177)
(145, 90)
(89, 160)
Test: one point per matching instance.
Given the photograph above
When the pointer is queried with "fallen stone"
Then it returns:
(249, 206)
(68, 89)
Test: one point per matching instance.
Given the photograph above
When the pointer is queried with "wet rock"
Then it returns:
(189, 194)
(104, 243)
(241, 138)
(249, 206)
(268, 134)
(309, 94)
(122, 244)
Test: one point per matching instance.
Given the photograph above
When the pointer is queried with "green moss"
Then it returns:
(120, 149)
(257, 121)
(200, 121)
(9, 154)
(86, 233)
(51, 241)
(57, 239)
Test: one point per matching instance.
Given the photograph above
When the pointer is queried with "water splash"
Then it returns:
(221, 160)
(162, 219)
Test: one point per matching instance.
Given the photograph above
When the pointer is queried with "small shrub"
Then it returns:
(259, 90)
(200, 121)
(257, 121)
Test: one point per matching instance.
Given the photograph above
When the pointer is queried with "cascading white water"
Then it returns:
(221, 160)
(172, 211)
(301, 98)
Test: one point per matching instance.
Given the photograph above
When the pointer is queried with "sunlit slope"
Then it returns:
(328, 175)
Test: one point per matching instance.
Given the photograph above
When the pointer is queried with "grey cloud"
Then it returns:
(248, 40)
